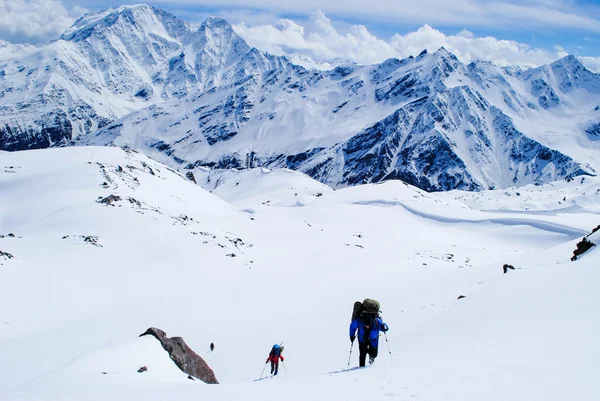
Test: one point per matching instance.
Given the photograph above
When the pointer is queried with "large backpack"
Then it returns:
(368, 307)
(276, 350)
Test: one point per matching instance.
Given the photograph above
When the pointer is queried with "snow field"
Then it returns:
(71, 309)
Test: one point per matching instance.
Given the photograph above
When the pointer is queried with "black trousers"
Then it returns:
(274, 367)
(364, 349)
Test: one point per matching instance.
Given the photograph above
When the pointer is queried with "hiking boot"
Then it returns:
(371, 360)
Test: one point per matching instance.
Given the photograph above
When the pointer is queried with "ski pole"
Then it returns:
(388, 346)
(263, 371)
(284, 368)
(350, 357)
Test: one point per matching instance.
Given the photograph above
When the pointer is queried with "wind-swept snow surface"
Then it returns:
(90, 272)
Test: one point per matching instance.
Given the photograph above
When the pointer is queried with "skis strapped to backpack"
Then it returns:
(368, 307)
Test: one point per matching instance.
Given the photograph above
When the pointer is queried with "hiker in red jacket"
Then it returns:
(274, 357)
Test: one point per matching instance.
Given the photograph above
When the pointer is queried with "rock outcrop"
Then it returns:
(183, 356)
(584, 245)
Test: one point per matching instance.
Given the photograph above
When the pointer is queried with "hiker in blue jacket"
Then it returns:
(368, 336)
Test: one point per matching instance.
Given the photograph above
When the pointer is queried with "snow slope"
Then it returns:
(275, 187)
(87, 278)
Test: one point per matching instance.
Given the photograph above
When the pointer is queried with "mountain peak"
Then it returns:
(217, 22)
(216, 32)
(128, 15)
(444, 53)
(567, 61)
(217, 26)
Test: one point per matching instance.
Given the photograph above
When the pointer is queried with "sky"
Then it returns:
(321, 33)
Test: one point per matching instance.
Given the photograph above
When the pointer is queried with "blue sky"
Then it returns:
(544, 27)
(546, 32)
(573, 40)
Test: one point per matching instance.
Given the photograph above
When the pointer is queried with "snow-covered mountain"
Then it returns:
(205, 98)
(430, 121)
(110, 64)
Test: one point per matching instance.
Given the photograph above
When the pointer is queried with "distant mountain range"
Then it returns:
(141, 78)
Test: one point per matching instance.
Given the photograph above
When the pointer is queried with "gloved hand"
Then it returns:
(385, 327)
(352, 338)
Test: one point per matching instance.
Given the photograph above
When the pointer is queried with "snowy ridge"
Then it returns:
(278, 187)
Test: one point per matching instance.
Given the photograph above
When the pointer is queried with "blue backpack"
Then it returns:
(276, 350)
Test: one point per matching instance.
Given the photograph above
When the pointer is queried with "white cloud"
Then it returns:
(323, 44)
(592, 63)
(498, 13)
(466, 34)
(561, 51)
(196, 17)
(35, 20)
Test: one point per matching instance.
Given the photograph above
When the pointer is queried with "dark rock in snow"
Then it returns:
(506, 267)
(183, 356)
(6, 255)
(110, 199)
(593, 131)
(190, 176)
(582, 247)
(92, 240)
(142, 369)
(134, 202)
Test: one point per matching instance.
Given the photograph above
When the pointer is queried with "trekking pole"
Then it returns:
(350, 357)
(284, 368)
(388, 346)
(263, 371)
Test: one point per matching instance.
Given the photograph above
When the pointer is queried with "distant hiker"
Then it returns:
(506, 267)
(274, 357)
(212, 347)
(365, 319)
